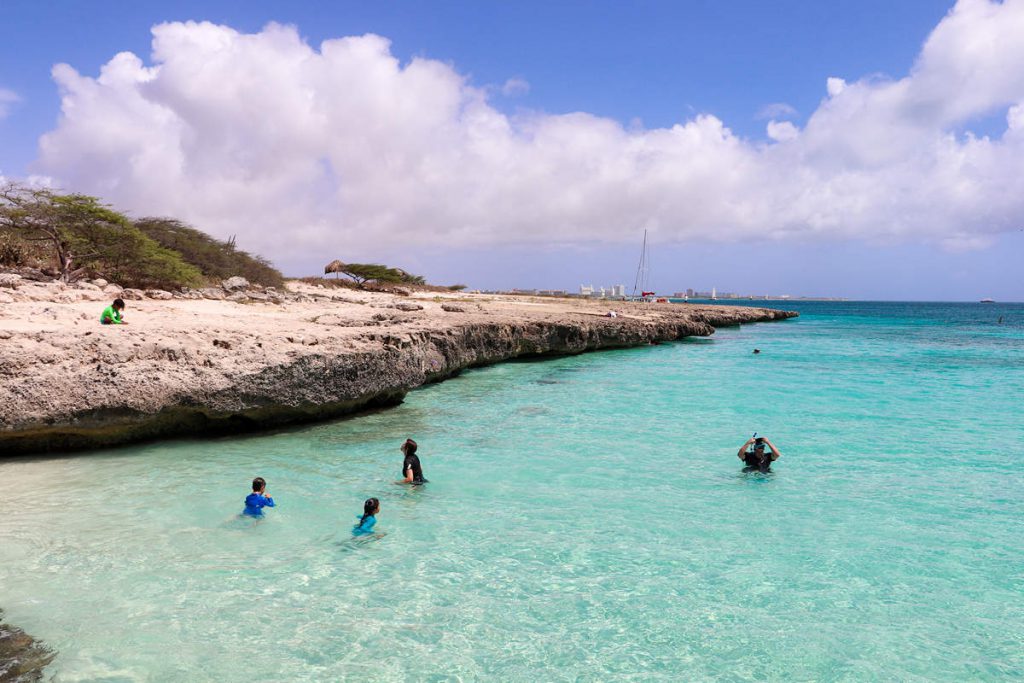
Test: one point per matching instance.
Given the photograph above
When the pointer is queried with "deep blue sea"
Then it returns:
(586, 519)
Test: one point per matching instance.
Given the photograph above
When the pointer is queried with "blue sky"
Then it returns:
(645, 67)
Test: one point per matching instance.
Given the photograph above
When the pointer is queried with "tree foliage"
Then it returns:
(85, 236)
(374, 272)
(215, 259)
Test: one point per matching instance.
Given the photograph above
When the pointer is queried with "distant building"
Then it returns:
(586, 290)
(619, 290)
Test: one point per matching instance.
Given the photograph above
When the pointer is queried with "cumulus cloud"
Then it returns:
(777, 110)
(781, 131)
(333, 149)
(834, 86)
(7, 98)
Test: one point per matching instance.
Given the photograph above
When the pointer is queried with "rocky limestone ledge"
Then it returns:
(199, 367)
(22, 658)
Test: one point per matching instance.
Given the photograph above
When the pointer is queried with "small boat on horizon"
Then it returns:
(988, 301)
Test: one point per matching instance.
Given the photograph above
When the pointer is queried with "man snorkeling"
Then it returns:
(755, 454)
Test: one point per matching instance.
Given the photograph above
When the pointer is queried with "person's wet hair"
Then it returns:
(370, 507)
(119, 303)
(409, 447)
(258, 484)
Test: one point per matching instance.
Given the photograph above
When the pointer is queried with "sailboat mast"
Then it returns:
(641, 269)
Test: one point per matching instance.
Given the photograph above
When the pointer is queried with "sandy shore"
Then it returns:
(194, 365)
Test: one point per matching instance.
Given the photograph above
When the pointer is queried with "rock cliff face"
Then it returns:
(217, 366)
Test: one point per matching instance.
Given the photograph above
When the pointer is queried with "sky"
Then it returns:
(867, 149)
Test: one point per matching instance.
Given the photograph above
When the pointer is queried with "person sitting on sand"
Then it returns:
(258, 499)
(370, 509)
(112, 314)
(756, 457)
(411, 469)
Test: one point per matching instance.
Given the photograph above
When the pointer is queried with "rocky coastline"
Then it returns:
(239, 358)
(22, 657)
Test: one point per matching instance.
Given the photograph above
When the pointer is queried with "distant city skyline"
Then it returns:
(869, 150)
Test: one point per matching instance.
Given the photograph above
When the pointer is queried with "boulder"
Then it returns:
(113, 290)
(235, 283)
(452, 309)
(84, 284)
(133, 294)
(159, 294)
(10, 280)
(213, 293)
(6, 298)
(405, 306)
(258, 296)
(239, 297)
(100, 282)
(35, 275)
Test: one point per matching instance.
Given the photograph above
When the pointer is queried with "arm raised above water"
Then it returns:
(743, 449)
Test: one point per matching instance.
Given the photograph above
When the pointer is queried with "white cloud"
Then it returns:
(7, 98)
(335, 150)
(514, 87)
(781, 131)
(834, 86)
(777, 110)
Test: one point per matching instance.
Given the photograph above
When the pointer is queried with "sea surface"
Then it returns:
(586, 519)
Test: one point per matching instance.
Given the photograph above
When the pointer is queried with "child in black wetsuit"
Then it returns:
(412, 472)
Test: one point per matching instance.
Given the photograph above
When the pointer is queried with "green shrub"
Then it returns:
(86, 237)
(215, 259)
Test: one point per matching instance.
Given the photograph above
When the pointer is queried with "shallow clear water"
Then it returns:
(586, 519)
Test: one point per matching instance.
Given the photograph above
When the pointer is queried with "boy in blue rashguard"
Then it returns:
(258, 499)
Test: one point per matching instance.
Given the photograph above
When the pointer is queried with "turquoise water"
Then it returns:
(587, 519)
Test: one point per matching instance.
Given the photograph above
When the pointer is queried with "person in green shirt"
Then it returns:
(113, 314)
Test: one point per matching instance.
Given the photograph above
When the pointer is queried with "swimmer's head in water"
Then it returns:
(759, 444)
(258, 484)
(370, 507)
(409, 447)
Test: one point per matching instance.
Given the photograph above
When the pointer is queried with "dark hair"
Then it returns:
(370, 507)
(759, 441)
(118, 303)
(258, 484)
(409, 447)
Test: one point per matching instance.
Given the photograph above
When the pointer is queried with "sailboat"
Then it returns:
(643, 274)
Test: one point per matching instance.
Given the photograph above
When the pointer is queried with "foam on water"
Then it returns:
(587, 519)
